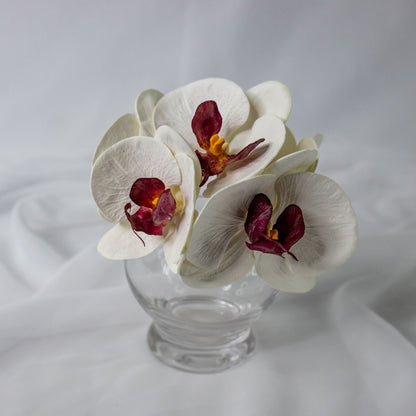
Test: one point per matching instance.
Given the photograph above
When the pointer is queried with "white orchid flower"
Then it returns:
(291, 229)
(235, 134)
(149, 190)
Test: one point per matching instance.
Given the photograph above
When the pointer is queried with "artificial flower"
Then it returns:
(235, 134)
(290, 227)
(150, 192)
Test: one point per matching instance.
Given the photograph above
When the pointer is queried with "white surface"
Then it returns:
(72, 337)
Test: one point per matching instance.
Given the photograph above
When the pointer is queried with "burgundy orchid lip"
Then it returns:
(288, 229)
(156, 206)
(206, 125)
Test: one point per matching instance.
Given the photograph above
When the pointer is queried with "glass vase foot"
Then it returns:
(197, 359)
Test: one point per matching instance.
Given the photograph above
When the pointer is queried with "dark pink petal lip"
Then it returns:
(165, 209)
(290, 225)
(156, 204)
(205, 170)
(269, 246)
(258, 216)
(242, 154)
(142, 220)
(206, 122)
(211, 165)
(145, 190)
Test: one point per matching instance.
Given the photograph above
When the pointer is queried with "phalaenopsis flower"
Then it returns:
(291, 228)
(235, 134)
(150, 192)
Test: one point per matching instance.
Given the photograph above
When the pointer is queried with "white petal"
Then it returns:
(222, 219)
(268, 127)
(308, 143)
(280, 275)
(299, 161)
(102, 215)
(330, 231)
(289, 146)
(238, 261)
(125, 126)
(118, 167)
(311, 143)
(177, 108)
(270, 97)
(121, 243)
(176, 243)
(145, 105)
(177, 144)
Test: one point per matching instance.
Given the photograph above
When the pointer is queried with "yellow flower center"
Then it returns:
(154, 201)
(216, 145)
(273, 234)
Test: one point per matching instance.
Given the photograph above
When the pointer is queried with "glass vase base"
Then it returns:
(195, 359)
(198, 330)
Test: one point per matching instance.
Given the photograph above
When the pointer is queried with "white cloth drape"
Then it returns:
(72, 337)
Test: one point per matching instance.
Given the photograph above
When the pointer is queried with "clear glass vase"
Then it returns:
(197, 330)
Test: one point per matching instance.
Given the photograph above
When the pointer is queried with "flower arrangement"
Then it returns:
(265, 205)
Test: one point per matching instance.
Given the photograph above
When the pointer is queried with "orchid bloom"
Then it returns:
(235, 134)
(290, 227)
(149, 190)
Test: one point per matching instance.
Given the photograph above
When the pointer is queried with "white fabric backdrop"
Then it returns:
(72, 338)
